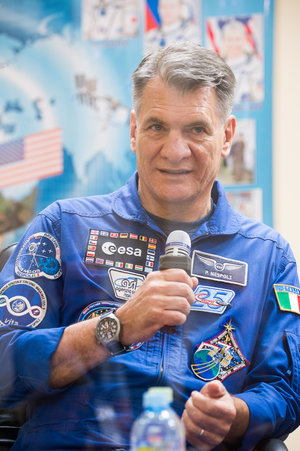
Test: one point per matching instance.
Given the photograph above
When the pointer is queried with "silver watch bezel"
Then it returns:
(99, 334)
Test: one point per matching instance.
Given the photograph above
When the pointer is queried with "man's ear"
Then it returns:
(133, 131)
(229, 130)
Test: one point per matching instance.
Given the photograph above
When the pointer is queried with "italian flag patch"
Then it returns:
(288, 298)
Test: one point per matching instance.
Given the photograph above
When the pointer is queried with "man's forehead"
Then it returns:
(158, 91)
(164, 102)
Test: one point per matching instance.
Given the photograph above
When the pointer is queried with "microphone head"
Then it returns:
(178, 243)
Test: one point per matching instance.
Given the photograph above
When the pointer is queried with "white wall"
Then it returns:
(286, 135)
(286, 128)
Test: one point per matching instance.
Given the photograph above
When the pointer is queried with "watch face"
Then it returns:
(107, 330)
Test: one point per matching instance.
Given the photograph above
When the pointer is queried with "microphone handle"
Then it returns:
(169, 261)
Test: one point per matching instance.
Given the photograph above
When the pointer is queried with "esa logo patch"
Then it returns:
(127, 251)
(22, 303)
(125, 283)
(39, 257)
(219, 357)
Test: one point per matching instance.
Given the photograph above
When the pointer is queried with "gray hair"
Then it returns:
(186, 66)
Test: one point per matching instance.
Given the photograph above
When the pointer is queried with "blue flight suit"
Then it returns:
(82, 256)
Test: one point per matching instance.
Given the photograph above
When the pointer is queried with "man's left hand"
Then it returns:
(208, 416)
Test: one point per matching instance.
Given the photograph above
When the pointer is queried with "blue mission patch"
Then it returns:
(22, 303)
(39, 257)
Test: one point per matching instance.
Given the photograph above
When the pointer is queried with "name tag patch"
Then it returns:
(212, 299)
(219, 357)
(215, 267)
(125, 283)
(22, 303)
(121, 250)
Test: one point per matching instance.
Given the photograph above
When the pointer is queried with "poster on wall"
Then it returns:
(65, 96)
(167, 21)
(242, 33)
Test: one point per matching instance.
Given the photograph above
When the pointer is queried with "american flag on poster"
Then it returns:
(31, 158)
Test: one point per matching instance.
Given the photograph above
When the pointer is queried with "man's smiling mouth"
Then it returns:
(175, 171)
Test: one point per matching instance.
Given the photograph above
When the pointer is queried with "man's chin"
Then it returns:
(174, 197)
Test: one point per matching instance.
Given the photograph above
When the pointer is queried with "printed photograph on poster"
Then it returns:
(109, 110)
(239, 166)
(239, 39)
(104, 20)
(248, 202)
(170, 20)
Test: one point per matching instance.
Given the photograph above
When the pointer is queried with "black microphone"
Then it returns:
(177, 252)
(177, 255)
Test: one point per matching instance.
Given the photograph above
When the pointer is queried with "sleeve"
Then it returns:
(272, 387)
(30, 302)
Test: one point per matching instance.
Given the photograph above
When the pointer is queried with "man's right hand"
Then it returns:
(164, 299)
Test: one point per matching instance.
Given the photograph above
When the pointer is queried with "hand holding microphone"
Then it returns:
(177, 255)
(163, 300)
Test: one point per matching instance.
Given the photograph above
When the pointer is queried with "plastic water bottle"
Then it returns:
(158, 428)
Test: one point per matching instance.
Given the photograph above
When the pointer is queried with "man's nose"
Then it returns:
(175, 147)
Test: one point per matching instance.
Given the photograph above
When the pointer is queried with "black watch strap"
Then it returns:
(116, 348)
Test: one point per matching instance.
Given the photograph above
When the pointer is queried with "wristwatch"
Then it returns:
(107, 333)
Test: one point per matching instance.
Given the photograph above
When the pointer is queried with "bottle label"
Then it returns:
(157, 438)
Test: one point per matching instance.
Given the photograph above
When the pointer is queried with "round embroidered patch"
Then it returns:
(22, 303)
(39, 257)
(96, 308)
(204, 365)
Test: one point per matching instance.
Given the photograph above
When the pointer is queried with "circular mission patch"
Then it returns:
(22, 303)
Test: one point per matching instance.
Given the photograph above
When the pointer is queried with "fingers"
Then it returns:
(220, 408)
(173, 275)
(172, 282)
(163, 299)
(214, 389)
(208, 416)
(203, 439)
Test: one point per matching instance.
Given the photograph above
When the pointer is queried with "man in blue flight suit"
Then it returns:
(84, 308)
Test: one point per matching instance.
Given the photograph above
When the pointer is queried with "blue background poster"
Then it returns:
(65, 96)
(242, 32)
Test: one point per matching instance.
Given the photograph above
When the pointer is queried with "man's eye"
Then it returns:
(198, 130)
(156, 127)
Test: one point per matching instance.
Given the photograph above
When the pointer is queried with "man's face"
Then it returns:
(234, 44)
(179, 141)
(169, 11)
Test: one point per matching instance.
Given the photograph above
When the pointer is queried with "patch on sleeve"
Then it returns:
(22, 303)
(288, 298)
(39, 257)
